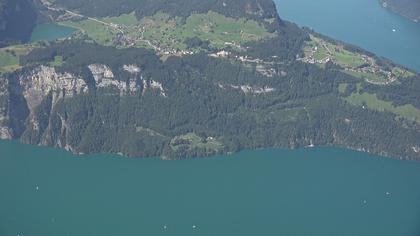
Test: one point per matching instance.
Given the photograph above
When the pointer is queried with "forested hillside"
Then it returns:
(17, 19)
(233, 8)
(210, 77)
(407, 8)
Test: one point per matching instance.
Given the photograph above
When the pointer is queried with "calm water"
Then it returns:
(322, 191)
(361, 22)
(49, 32)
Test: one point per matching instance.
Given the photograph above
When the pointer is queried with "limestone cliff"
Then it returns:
(5, 132)
(40, 82)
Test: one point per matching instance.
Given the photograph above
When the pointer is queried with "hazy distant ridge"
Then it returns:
(408, 8)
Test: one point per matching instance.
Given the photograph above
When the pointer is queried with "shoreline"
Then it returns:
(362, 150)
(393, 10)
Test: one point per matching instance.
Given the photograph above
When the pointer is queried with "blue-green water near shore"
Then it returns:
(360, 22)
(50, 31)
(319, 191)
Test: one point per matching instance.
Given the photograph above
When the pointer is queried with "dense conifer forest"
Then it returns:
(17, 19)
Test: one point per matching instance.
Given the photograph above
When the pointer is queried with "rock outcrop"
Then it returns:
(104, 77)
(133, 69)
(45, 80)
(5, 132)
(157, 86)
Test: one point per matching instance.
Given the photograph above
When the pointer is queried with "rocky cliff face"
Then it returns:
(28, 105)
(42, 88)
(44, 80)
(104, 78)
(5, 132)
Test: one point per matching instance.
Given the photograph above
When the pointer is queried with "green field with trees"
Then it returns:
(9, 57)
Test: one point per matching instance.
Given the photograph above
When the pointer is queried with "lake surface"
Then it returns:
(320, 191)
(360, 22)
(50, 31)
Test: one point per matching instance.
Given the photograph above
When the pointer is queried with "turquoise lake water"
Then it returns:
(320, 191)
(314, 192)
(49, 32)
(360, 22)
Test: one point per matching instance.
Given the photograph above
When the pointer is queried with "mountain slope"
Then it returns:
(408, 8)
(200, 80)
(17, 19)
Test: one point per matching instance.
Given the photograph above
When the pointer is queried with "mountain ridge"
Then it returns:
(407, 8)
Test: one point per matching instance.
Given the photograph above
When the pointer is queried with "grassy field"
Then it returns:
(219, 29)
(372, 102)
(170, 32)
(380, 77)
(9, 57)
(164, 30)
(321, 53)
(335, 52)
(342, 87)
(402, 73)
(100, 33)
(216, 28)
(58, 61)
(192, 141)
(372, 77)
(320, 50)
